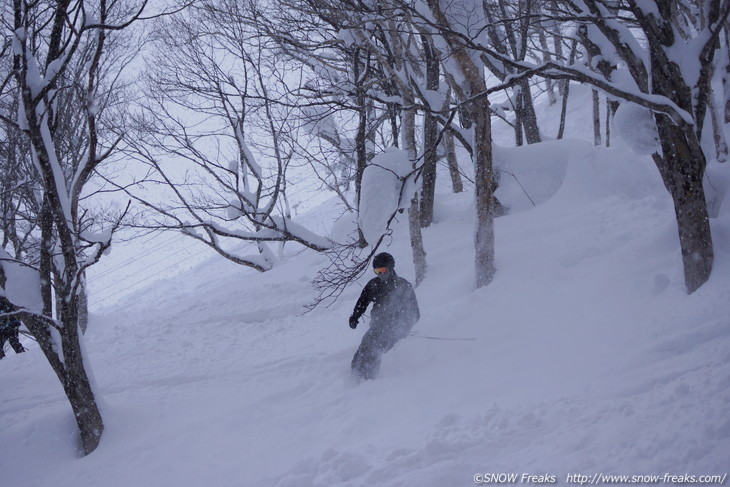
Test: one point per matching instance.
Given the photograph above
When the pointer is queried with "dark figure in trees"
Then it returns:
(9, 329)
(394, 312)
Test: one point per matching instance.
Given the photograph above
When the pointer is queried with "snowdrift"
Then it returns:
(584, 356)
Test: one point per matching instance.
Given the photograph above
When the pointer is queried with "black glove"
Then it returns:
(353, 321)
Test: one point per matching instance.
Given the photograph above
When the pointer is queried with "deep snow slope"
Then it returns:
(584, 356)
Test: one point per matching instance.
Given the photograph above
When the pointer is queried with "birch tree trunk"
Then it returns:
(430, 135)
(414, 218)
(596, 118)
(565, 91)
(484, 184)
(472, 88)
(359, 74)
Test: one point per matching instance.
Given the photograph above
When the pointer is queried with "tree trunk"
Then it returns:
(519, 126)
(67, 362)
(526, 115)
(83, 403)
(682, 168)
(457, 185)
(566, 92)
(476, 110)
(408, 132)
(726, 78)
(682, 162)
(430, 136)
(68, 366)
(546, 58)
(361, 135)
(558, 44)
(609, 115)
(484, 186)
(718, 132)
(83, 307)
(45, 257)
(76, 381)
(419, 252)
(428, 176)
(596, 119)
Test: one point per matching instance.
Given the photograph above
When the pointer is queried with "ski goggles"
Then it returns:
(380, 270)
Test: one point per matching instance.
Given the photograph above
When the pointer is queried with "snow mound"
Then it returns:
(584, 355)
(385, 189)
(572, 172)
(635, 125)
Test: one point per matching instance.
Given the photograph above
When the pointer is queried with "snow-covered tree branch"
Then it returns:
(63, 91)
(213, 99)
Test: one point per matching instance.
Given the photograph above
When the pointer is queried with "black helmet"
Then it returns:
(384, 259)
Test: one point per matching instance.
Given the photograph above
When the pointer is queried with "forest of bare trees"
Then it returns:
(211, 103)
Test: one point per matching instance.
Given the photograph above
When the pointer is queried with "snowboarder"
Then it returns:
(394, 312)
(9, 329)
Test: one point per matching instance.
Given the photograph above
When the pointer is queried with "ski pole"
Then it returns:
(28, 335)
(441, 338)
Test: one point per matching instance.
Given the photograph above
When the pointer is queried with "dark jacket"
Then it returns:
(395, 307)
(8, 324)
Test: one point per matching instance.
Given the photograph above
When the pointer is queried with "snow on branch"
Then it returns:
(387, 187)
(552, 70)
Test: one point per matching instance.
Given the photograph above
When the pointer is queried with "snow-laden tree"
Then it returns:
(332, 117)
(452, 28)
(216, 133)
(417, 46)
(350, 100)
(668, 55)
(377, 85)
(63, 85)
(511, 27)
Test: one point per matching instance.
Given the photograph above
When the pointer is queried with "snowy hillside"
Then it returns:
(584, 356)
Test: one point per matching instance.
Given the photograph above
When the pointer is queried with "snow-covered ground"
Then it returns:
(584, 356)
